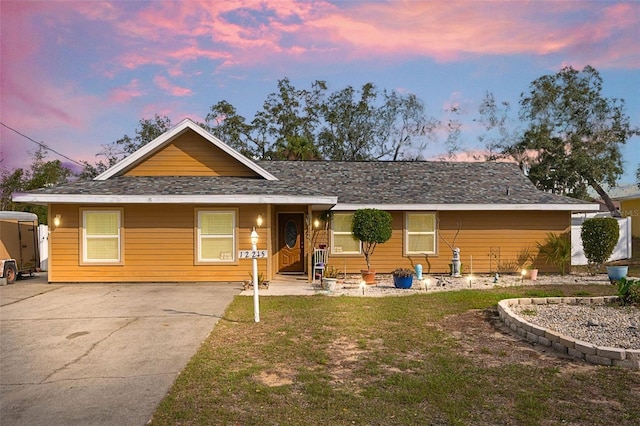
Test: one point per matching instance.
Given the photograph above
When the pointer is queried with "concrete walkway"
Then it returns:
(287, 285)
(98, 354)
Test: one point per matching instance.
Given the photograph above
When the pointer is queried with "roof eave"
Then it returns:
(44, 199)
(470, 207)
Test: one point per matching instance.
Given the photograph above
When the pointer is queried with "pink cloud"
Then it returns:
(229, 33)
(127, 93)
(172, 89)
(254, 31)
(455, 30)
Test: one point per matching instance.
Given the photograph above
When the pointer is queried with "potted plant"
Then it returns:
(371, 227)
(617, 272)
(402, 278)
(330, 278)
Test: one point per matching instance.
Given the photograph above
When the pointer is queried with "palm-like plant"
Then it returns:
(556, 250)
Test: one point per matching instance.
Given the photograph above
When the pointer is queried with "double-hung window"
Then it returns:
(342, 238)
(419, 233)
(216, 236)
(102, 236)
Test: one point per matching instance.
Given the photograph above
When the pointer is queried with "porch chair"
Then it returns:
(319, 262)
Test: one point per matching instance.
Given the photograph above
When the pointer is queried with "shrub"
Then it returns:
(629, 291)
(599, 238)
(556, 250)
(372, 227)
(331, 272)
(403, 272)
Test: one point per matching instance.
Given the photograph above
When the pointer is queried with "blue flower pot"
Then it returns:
(402, 282)
(617, 272)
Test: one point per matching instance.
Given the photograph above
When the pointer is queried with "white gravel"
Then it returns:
(602, 325)
(435, 283)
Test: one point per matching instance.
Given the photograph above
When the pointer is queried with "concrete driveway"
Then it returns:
(98, 354)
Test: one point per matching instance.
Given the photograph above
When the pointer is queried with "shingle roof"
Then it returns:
(416, 182)
(424, 182)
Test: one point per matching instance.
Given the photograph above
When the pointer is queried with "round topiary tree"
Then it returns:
(599, 238)
(371, 227)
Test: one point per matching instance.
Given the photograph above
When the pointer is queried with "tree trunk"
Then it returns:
(605, 197)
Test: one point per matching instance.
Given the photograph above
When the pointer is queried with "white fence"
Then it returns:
(622, 250)
(43, 246)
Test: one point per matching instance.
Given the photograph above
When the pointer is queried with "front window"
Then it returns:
(216, 236)
(343, 241)
(101, 236)
(420, 233)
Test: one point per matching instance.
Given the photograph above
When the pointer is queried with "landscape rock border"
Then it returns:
(599, 355)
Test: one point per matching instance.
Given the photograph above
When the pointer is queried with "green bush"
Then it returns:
(372, 227)
(599, 238)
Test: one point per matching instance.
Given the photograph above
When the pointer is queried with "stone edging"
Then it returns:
(601, 355)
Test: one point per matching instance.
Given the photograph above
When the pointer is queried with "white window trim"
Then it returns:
(199, 237)
(85, 238)
(407, 233)
(333, 233)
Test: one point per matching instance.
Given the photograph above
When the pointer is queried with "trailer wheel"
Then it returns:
(10, 273)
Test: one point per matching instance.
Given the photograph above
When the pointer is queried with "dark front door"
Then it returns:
(290, 242)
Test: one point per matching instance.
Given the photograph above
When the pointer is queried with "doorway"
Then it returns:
(290, 243)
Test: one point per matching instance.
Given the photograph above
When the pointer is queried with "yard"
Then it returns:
(423, 359)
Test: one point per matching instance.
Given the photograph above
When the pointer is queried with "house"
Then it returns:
(183, 206)
(630, 207)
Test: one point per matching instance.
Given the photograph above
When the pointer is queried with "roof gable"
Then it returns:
(186, 150)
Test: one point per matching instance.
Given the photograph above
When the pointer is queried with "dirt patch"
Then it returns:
(484, 338)
(344, 356)
(274, 378)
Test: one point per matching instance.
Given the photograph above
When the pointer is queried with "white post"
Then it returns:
(256, 300)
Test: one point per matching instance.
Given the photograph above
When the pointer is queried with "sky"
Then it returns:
(80, 75)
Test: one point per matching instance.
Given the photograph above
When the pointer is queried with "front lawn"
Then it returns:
(432, 359)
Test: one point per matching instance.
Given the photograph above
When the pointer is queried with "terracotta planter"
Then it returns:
(533, 274)
(368, 276)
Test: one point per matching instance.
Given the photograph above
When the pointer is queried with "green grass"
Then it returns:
(386, 361)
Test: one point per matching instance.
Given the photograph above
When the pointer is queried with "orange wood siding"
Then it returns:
(631, 208)
(190, 155)
(509, 232)
(158, 246)
(159, 243)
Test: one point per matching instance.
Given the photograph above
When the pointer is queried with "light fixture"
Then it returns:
(254, 238)
(425, 284)
(523, 273)
(259, 220)
(316, 223)
(57, 220)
